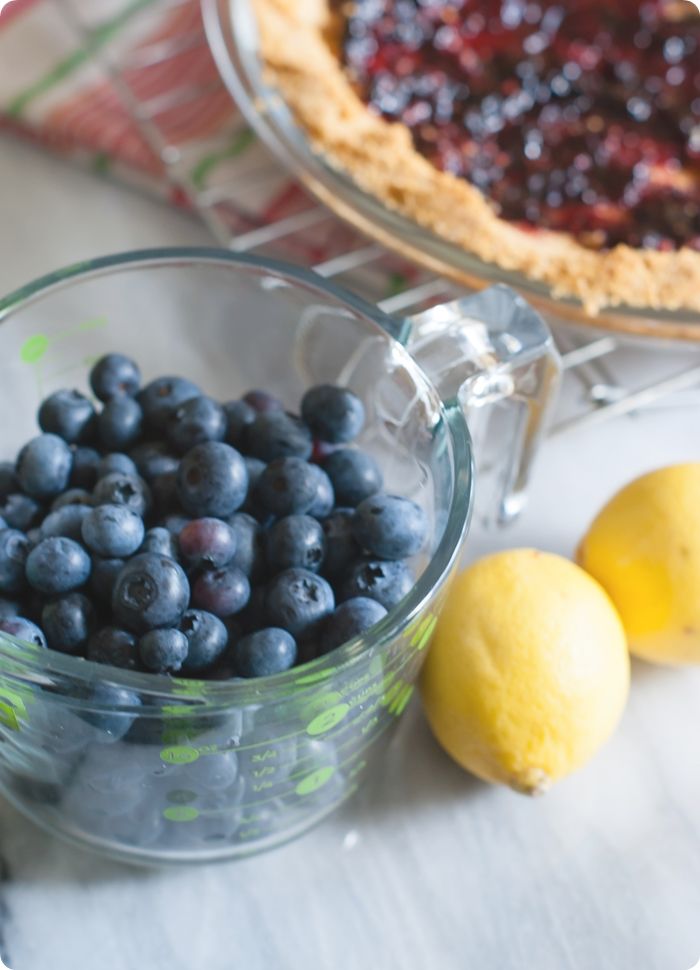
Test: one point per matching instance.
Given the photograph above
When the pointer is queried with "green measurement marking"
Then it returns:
(425, 631)
(399, 705)
(315, 678)
(326, 721)
(179, 754)
(34, 348)
(317, 779)
(181, 813)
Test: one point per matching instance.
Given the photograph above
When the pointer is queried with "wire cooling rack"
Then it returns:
(605, 376)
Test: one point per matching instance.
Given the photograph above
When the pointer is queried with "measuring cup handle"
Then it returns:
(492, 349)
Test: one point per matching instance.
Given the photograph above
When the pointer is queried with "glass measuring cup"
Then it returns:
(189, 771)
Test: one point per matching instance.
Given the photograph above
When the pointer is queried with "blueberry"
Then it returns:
(324, 499)
(341, 548)
(276, 434)
(195, 421)
(14, 549)
(385, 582)
(120, 423)
(114, 375)
(112, 531)
(66, 521)
(222, 592)
(84, 471)
(68, 414)
(116, 462)
(296, 540)
(296, 599)
(8, 479)
(113, 711)
(351, 618)
(250, 547)
(120, 489)
(114, 647)
(355, 475)
(57, 565)
(74, 496)
(22, 629)
(390, 527)
(150, 591)
(207, 638)
(288, 486)
(19, 511)
(333, 413)
(68, 622)
(3, 524)
(262, 401)
(153, 458)
(207, 542)
(164, 493)
(160, 542)
(8, 608)
(162, 396)
(103, 577)
(266, 652)
(43, 466)
(163, 651)
(238, 416)
(212, 480)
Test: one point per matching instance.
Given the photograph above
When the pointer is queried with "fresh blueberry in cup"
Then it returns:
(297, 599)
(352, 618)
(118, 488)
(390, 527)
(112, 531)
(120, 423)
(222, 592)
(68, 622)
(163, 651)
(333, 413)
(207, 638)
(14, 549)
(265, 652)
(150, 591)
(384, 581)
(114, 647)
(161, 396)
(114, 375)
(354, 474)
(195, 421)
(43, 466)
(295, 541)
(57, 565)
(23, 629)
(68, 414)
(212, 480)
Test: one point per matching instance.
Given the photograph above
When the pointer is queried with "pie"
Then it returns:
(557, 138)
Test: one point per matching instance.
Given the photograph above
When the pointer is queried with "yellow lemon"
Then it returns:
(644, 549)
(528, 672)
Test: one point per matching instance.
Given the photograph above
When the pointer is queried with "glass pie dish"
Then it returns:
(233, 38)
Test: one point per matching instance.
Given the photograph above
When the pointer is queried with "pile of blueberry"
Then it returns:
(167, 532)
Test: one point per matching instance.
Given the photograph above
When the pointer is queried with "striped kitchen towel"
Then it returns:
(74, 74)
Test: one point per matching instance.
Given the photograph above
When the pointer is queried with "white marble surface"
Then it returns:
(429, 868)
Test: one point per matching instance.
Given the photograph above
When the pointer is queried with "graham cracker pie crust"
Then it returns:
(299, 42)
